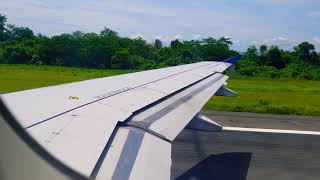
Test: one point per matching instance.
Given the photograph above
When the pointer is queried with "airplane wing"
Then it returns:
(118, 127)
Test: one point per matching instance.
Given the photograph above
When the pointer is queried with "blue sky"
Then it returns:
(247, 22)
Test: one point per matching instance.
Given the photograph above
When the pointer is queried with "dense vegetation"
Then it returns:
(104, 50)
(255, 94)
(301, 63)
(19, 45)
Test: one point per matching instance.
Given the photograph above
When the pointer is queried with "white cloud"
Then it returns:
(235, 42)
(197, 37)
(177, 37)
(280, 41)
(275, 39)
(163, 38)
(316, 40)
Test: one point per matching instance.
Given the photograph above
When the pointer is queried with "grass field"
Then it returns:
(298, 97)
(22, 77)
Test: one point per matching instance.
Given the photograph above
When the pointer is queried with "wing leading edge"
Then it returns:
(119, 129)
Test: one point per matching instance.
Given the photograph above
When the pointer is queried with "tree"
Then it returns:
(209, 40)
(263, 49)
(78, 34)
(172, 61)
(226, 41)
(186, 54)
(137, 46)
(108, 32)
(19, 33)
(306, 52)
(157, 44)
(96, 50)
(216, 52)
(3, 21)
(252, 53)
(135, 61)
(16, 54)
(121, 59)
(274, 58)
(175, 43)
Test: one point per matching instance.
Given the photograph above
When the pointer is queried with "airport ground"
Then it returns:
(239, 155)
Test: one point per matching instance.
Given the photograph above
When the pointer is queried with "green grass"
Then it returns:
(298, 97)
(22, 77)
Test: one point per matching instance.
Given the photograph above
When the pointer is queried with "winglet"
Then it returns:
(233, 60)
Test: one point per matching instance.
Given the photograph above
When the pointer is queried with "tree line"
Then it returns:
(303, 62)
(105, 50)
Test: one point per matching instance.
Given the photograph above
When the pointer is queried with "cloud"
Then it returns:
(316, 40)
(177, 37)
(164, 38)
(235, 42)
(197, 37)
(275, 39)
(280, 41)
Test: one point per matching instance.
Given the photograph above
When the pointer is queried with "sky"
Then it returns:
(247, 22)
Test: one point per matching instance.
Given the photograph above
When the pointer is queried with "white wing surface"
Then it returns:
(118, 127)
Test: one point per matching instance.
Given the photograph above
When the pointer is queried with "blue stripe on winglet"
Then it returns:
(233, 60)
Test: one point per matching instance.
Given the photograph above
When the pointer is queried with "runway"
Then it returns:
(248, 155)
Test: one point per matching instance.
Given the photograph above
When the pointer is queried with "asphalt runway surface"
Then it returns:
(238, 155)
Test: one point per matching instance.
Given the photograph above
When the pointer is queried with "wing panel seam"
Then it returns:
(32, 125)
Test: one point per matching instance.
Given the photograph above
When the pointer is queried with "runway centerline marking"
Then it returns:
(282, 131)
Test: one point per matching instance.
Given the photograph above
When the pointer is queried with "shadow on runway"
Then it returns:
(226, 166)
